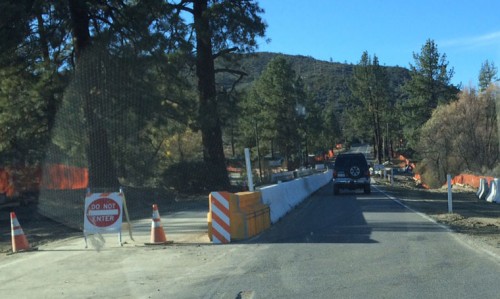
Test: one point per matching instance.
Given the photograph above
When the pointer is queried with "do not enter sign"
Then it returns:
(103, 212)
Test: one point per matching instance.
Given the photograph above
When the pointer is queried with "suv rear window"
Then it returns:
(345, 160)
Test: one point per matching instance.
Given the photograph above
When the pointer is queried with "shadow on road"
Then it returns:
(324, 218)
(321, 219)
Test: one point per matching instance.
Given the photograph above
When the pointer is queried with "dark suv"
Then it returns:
(351, 171)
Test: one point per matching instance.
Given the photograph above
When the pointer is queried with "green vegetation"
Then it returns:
(487, 74)
(142, 95)
(428, 87)
(370, 108)
(461, 136)
(130, 65)
(277, 105)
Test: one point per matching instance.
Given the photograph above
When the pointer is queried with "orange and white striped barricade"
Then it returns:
(221, 224)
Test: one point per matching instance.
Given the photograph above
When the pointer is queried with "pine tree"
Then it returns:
(370, 106)
(487, 75)
(221, 27)
(428, 87)
(282, 101)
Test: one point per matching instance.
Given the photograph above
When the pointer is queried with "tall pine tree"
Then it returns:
(221, 27)
(370, 106)
(487, 75)
(428, 87)
(282, 100)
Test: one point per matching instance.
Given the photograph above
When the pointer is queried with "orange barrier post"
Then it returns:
(19, 240)
(158, 236)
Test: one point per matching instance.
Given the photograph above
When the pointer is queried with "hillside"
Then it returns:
(326, 81)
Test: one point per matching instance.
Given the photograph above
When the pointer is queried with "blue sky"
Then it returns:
(468, 32)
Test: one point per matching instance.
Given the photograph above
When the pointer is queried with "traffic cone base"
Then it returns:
(158, 236)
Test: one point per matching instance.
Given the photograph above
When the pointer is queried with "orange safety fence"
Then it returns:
(14, 181)
(64, 177)
(418, 177)
(405, 162)
(461, 179)
(6, 184)
(470, 180)
(331, 154)
(325, 156)
(17, 180)
(234, 169)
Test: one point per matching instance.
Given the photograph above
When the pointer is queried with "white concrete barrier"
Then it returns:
(378, 168)
(319, 167)
(274, 197)
(494, 195)
(483, 189)
(281, 176)
(283, 197)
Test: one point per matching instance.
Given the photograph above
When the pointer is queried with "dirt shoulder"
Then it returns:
(476, 220)
(40, 229)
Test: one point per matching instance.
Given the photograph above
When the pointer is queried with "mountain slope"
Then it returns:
(325, 81)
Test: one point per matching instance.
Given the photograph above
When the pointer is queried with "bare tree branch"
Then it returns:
(231, 71)
(241, 74)
(225, 51)
(181, 6)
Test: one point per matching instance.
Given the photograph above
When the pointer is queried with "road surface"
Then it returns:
(350, 246)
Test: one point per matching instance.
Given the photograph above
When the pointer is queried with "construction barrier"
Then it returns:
(470, 180)
(483, 190)
(282, 176)
(236, 216)
(494, 194)
(257, 215)
(218, 218)
(245, 214)
(283, 197)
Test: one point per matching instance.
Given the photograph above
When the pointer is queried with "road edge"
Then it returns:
(466, 240)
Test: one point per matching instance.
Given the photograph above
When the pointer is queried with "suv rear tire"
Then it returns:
(367, 189)
(354, 171)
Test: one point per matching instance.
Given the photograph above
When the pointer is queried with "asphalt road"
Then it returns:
(349, 246)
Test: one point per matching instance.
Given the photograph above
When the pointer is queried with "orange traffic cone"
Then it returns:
(158, 236)
(19, 240)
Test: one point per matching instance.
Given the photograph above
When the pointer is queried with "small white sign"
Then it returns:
(103, 213)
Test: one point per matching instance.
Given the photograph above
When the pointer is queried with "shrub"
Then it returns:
(460, 136)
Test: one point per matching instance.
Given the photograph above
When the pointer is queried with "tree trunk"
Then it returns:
(52, 102)
(378, 141)
(44, 45)
(213, 151)
(257, 144)
(102, 172)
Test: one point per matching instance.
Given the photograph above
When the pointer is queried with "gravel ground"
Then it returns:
(476, 220)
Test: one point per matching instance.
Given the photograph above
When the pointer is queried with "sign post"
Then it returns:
(103, 214)
(450, 196)
(125, 211)
(249, 170)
